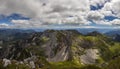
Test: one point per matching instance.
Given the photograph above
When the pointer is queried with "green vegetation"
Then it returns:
(65, 65)
(115, 49)
(76, 45)
(114, 64)
(44, 39)
(14, 66)
(90, 67)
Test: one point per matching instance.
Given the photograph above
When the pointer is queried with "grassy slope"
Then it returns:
(108, 50)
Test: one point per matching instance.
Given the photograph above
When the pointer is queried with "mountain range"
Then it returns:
(58, 49)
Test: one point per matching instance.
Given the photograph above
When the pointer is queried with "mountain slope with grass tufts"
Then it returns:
(59, 49)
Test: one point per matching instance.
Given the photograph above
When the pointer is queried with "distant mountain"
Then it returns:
(94, 33)
(58, 49)
(117, 37)
(112, 33)
(88, 30)
(6, 34)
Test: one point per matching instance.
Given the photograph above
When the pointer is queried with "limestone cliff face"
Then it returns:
(55, 46)
(58, 47)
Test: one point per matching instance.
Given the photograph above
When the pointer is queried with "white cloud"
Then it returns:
(110, 8)
(95, 16)
(40, 8)
(113, 6)
(33, 23)
(47, 10)
(66, 12)
(115, 22)
(3, 25)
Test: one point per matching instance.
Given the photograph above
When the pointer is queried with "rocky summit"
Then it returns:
(58, 49)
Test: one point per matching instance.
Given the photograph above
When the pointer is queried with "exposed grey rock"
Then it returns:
(32, 64)
(90, 56)
(6, 62)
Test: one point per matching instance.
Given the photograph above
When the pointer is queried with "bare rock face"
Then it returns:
(58, 47)
(32, 64)
(6, 62)
(53, 45)
(90, 56)
(62, 55)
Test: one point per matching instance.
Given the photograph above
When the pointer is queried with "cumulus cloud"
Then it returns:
(39, 8)
(48, 11)
(26, 23)
(57, 12)
(113, 6)
(95, 16)
(3, 25)
(115, 22)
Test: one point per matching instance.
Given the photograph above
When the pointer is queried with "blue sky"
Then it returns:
(15, 16)
(60, 14)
